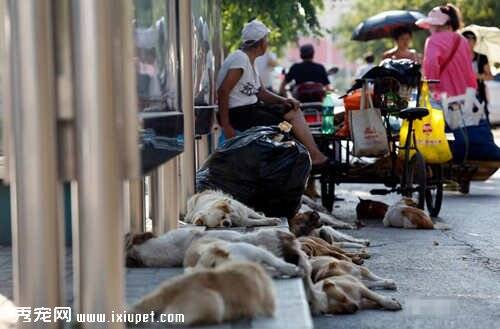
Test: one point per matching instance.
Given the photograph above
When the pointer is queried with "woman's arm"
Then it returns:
(230, 81)
(486, 75)
(269, 97)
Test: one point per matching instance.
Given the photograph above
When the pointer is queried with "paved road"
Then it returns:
(446, 279)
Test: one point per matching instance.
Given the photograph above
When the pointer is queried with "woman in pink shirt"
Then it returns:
(447, 56)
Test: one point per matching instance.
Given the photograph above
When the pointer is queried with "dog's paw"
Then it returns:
(365, 242)
(390, 285)
(293, 271)
(276, 221)
(392, 304)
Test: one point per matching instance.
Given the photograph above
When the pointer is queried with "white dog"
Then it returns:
(210, 253)
(217, 209)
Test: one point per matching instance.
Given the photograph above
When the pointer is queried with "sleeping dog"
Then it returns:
(213, 296)
(210, 253)
(346, 294)
(217, 209)
(324, 267)
(309, 224)
(405, 214)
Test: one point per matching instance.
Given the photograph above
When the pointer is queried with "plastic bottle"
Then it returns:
(327, 125)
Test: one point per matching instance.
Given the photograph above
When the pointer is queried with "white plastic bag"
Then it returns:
(368, 132)
(462, 110)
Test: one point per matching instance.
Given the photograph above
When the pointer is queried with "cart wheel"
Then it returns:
(327, 191)
(413, 182)
(434, 191)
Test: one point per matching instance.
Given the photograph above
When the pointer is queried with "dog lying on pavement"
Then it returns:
(326, 217)
(371, 209)
(314, 246)
(324, 267)
(169, 249)
(346, 294)
(405, 214)
(210, 253)
(217, 209)
(213, 296)
(309, 224)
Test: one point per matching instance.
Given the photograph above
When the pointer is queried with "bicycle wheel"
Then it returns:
(413, 181)
(434, 191)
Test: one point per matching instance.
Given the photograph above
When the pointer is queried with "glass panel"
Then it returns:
(155, 33)
(204, 48)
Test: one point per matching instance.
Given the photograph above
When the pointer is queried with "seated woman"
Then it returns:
(244, 103)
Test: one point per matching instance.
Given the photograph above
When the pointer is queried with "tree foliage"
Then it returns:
(287, 19)
(480, 12)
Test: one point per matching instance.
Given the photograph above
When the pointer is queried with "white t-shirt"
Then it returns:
(246, 89)
(264, 69)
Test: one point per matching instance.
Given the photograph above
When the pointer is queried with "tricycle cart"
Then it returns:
(404, 169)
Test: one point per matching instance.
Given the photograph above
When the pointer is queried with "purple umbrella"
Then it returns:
(383, 24)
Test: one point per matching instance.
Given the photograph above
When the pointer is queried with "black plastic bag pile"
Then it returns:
(263, 167)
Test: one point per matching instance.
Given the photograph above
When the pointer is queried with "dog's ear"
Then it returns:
(223, 205)
(219, 252)
(328, 285)
(140, 238)
(314, 216)
(199, 221)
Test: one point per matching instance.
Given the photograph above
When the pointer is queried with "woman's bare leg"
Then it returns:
(301, 131)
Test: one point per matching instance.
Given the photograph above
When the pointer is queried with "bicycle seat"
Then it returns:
(413, 113)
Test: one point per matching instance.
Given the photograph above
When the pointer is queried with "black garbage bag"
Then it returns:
(259, 171)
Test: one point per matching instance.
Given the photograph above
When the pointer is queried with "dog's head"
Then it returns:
(213, 257)
(132, 258)
(217, 214)
(302, 224)
(370, 209)
(338, 301)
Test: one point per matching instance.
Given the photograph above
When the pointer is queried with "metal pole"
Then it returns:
(158, 200)
(171, 179)
(186, 69)
(99, 168)
(36, 192)
(136, 205)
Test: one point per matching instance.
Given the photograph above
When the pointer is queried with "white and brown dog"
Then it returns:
(405, 214)
(213, 296)
(217, 209)
(346, 294)
(324, 267)
(209, 253)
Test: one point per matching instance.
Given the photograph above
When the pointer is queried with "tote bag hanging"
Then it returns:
(367, 129)
(430, 133)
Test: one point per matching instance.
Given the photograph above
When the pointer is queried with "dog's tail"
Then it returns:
(418, 217)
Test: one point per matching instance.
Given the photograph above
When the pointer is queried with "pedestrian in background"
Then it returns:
(402, 37)
(481, 67)
(369, 59)
(265, 65)
(447, 57)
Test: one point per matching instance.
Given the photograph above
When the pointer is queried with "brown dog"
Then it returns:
(309, 223)
(314, 246)
(324, 267)
(370, 209)
(346, 294)
(214, 296)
